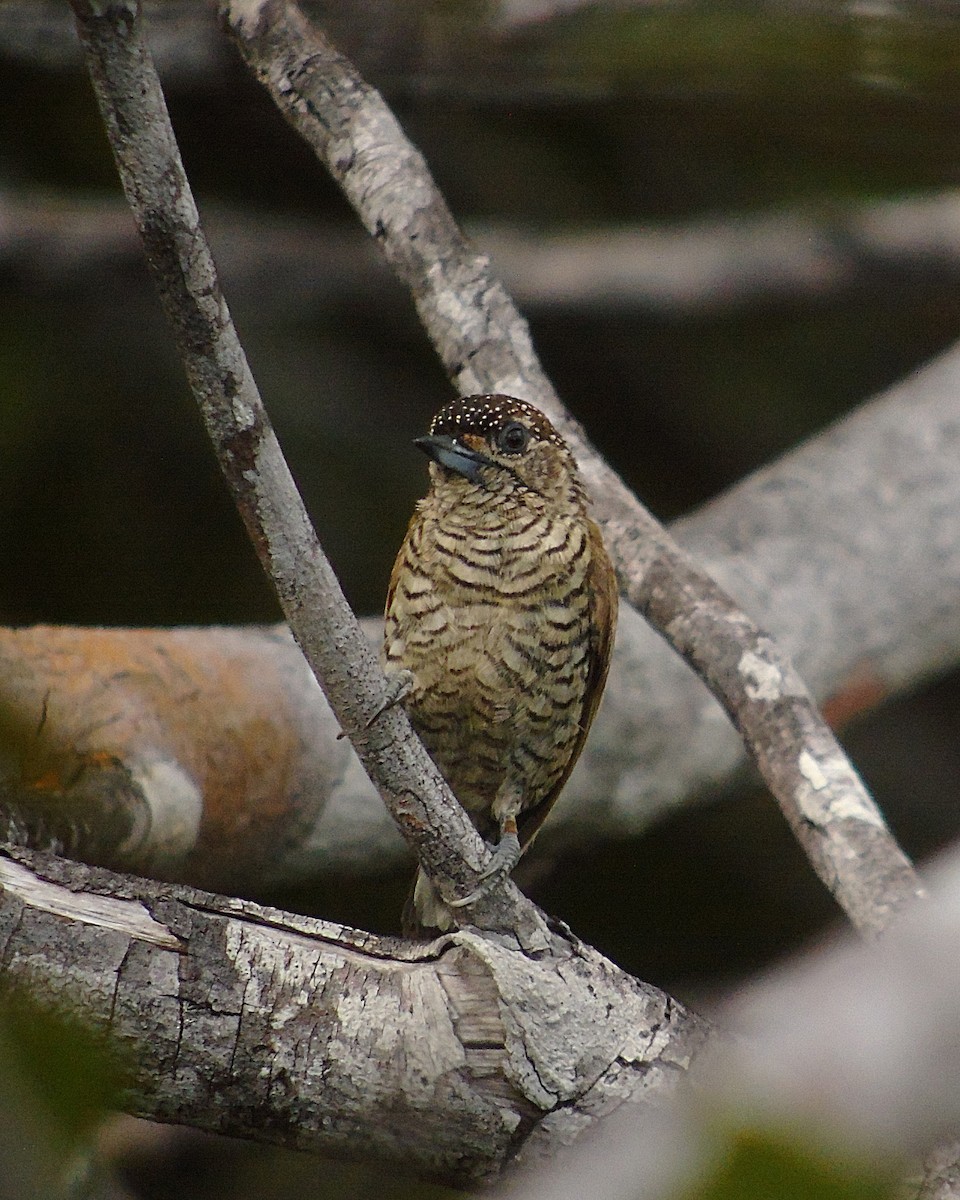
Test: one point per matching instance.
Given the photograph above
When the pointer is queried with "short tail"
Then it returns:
(424, 913)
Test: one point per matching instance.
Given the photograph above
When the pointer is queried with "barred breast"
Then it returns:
(489, 608)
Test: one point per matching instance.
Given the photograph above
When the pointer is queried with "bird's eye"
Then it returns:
(513, 438)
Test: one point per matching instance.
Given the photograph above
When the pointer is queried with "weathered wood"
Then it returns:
(447, 1058)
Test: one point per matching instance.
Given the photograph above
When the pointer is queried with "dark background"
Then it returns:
(111, 508)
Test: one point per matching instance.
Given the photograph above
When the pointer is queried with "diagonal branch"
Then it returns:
(142, 139)
(449, 1056)
(485, 346)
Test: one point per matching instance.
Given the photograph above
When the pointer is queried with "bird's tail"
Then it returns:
(424, 913)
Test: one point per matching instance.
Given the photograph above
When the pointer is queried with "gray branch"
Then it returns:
(852, 1053)
(485, 347)
(444, 1058)
(138, 128)
(698, 266)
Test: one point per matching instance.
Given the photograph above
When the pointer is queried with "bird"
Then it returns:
(499, 622)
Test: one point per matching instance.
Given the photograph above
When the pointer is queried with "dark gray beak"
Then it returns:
(450, 454)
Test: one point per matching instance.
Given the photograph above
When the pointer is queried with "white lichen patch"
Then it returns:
(831, 792)
(242, 413)
(763, 680)
(174, 808)
(811, 771)
(244, 12)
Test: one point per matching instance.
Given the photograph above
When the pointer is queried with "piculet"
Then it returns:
(500, 619)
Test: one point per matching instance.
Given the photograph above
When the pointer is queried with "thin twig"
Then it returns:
(142, 139)
(485, 346)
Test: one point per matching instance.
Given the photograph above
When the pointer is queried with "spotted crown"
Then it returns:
(486, 414)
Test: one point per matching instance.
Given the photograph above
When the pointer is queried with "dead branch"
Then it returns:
(138, 127)
(443, 1058)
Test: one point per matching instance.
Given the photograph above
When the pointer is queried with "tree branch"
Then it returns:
(695, 267)
(850, 1054)
(138, 127)
(485, 346)
(444, 1058)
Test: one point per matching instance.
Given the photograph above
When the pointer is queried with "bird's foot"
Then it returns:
(399, 686)
(505, 857)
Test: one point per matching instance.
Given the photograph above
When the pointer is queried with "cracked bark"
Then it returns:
(248, 996)
(450, 1058)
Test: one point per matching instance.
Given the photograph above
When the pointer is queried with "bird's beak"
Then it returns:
(451, 454)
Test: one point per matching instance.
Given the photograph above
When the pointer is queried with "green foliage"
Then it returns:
(73, 1080)
(56, 1085)
(762, 1166)
(749, 47)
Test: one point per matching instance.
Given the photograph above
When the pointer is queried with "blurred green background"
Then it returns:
(660, 116)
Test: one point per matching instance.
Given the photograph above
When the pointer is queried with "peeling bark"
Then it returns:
(449, 1059)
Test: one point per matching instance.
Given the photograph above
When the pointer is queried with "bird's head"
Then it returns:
(500, 444)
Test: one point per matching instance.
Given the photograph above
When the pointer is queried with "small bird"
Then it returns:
(499, 623)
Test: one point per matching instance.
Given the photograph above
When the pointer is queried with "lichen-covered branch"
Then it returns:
(485, 346)
(447, 1058)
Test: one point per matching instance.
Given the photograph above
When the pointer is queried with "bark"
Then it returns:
(850, 1056)
(203, 755)
(445, 1058)
(941, 1173)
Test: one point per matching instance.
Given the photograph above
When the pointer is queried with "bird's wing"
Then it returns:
(601, 583)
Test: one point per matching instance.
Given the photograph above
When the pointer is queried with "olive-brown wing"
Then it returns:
(602, 588)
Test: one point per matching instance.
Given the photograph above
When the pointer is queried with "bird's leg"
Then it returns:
(399, 686)
(505, 855)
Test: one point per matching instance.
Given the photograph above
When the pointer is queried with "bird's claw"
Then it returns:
(399, 686)
(504, 858)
